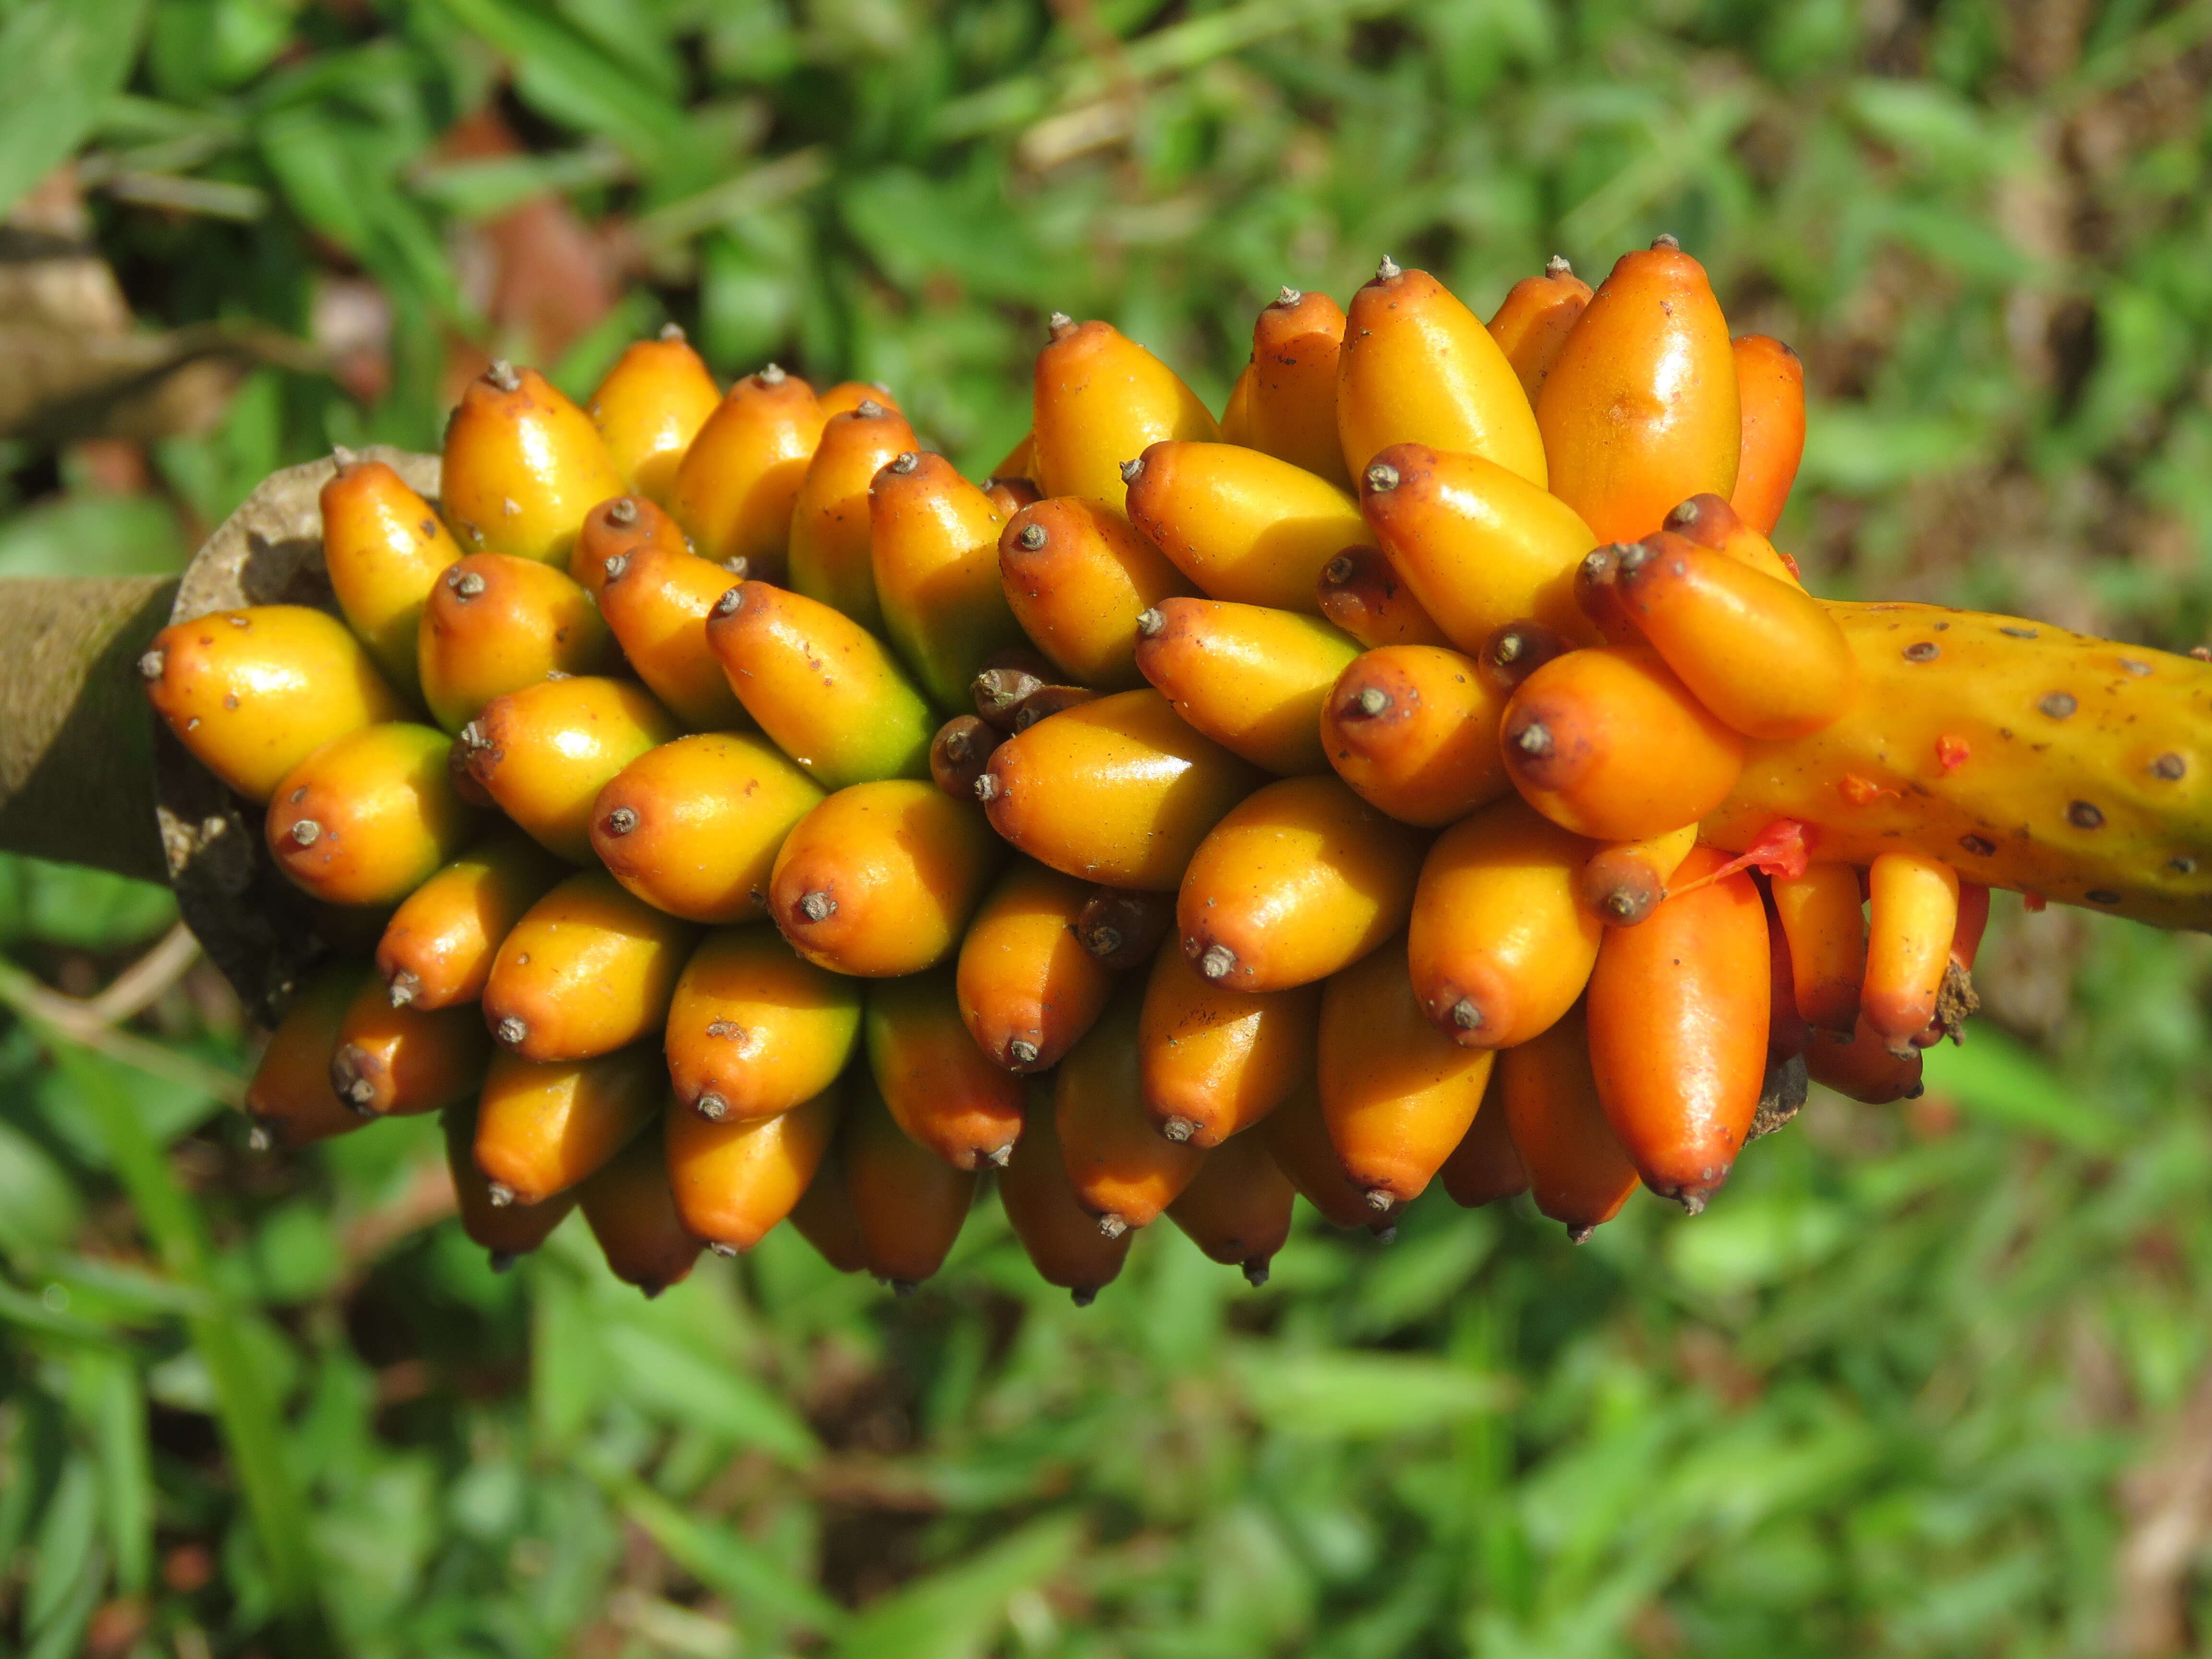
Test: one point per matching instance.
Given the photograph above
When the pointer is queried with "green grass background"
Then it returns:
(1926, 1380)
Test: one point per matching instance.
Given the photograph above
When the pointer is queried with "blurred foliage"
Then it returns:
(1925, 1381)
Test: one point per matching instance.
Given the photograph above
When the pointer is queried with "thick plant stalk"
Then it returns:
(2071, 768)
(76, 767)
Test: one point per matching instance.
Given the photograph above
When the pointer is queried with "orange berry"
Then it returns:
(1769, 382)
(1122, 926)
(1362, 594)
(1578, 1171)
(1125, 1170)
(1236, 413)
(821, 686)
(830, 559)
(632, 1212)
(1290, 410)
(693, 827)
(1641, 408)
(1008, 496)
(252, 693)
(649, 407)
(848, 395)
(522, 466)
(1677, 1013)
(616, 528)
(289, 1099)
(1957, 1002)
(383, 547)
(933, 546)
(1533, 325)
(1764, 655)
(1300, 880)
(1609, 744)
(909, 1202)
(880, 878)
(1823, 917)
(541, 1129)
(1242, 525)
(1413, 730)
(1396, 1093)
(1598, 596)
(737, 1178)
(1002, 685)
(1006, 681)
(1213, 1060)
(739, 482)
(657, 598)
(1028, 988)
(959, 752)
(1059, 1236)
(1250, 678)
(1479, 545)
(1078, 576)
(1710, 522)
(1485, 1167)
(436, 951)
(825, 1218)
(587, 970)
(1050, 700)
(1295, 1135)
(1100, 399)
(945, 1093)
(1419, 368)
(1500, 947)
(495, 623)
(1913, 914)
(1119, 791)
(1238, 1207)
(1863, 1067)
(396, 1061)
(753, 1030)
(544, 752)
(369, 817)
(1516, 651)
(1787, 1033)
(1624, 883)
(506, 1230)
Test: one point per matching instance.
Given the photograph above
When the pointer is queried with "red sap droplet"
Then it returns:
(1952, 752)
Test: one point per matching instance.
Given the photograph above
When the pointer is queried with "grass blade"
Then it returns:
(248, 1415)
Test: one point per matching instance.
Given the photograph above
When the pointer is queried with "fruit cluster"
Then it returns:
(1322, 782)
